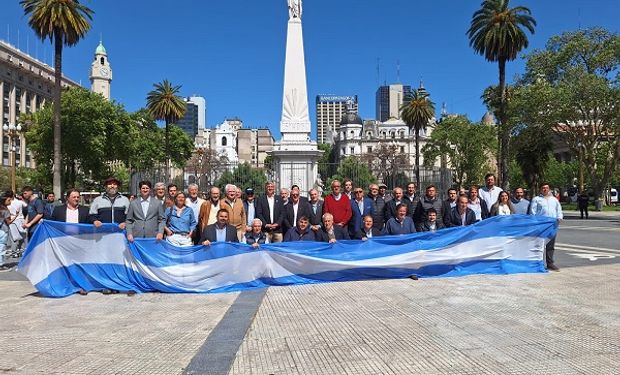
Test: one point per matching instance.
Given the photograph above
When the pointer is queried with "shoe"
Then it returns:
(107, 291)
(131, 293)
(413, 277)
(82, 292)
(553, 267)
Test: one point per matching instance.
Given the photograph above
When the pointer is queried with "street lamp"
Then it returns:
(581, 147)
(12, 131)
(200, 150)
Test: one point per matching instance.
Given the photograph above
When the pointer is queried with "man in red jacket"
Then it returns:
(338, 205)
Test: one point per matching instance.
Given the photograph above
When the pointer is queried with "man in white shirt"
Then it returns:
(490, 192)
(547, 205)
(193, 201)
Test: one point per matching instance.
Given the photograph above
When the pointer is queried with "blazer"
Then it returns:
(60, 214)
(316, 218)
(141, 226)
(425, 226)
(361, 234)
(294, 234)
(389, 210)
(355, 224)
(303, 209)
(262, 212)
(210, 234)
(455, 217)
(339, 232)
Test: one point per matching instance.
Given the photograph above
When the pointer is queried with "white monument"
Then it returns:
(295, 155)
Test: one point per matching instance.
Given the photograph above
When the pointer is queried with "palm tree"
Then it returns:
(497, 33)
(64, 22)
(164, 104)
(417, 111)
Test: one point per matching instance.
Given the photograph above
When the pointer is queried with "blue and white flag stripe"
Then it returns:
(63, 258)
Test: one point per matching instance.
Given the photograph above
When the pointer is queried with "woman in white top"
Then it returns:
(503, 206)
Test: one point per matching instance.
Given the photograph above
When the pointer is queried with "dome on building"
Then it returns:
(100, 49)
(351, 118)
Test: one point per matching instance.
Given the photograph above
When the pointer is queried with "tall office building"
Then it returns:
(195, 116)
(389, 99)
(329, 112)
(25, 85)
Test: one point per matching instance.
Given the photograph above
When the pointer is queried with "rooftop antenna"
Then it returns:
(397, 71)
(579, 18)
(444, 109)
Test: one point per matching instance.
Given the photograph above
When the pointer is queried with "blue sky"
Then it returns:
(232, 52)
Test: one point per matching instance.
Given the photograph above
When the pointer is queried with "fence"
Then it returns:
(244, 175)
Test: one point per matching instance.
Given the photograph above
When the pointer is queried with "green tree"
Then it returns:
(164, 104)
(244, 176)
(388, 164)
(579, 73)
(327, 162)
(181, 146)
(353, 168)
(497, 32)
(417, 111)
(63, 22)
(90, 125)
(466, 147)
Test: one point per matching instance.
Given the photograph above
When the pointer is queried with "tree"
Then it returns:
(64, 22)
(465, 145)
(388, 164)
(164, 104)
(497, 33)
(327, 162)
(417, 111)
(354, 169)
(91, 135)
(244, 176)
(578, 71)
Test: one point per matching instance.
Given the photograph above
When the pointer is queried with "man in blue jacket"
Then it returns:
(360, 207)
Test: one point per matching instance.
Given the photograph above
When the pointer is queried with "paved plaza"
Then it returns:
(555, 323)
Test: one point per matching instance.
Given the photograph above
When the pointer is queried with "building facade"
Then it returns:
(26, 84)
(329, 112)
(389, 98)
(101, 73)
(195, 116)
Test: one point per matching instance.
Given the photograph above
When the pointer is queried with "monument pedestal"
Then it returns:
(296, 165)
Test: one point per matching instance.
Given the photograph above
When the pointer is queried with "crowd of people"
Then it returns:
(347, 212)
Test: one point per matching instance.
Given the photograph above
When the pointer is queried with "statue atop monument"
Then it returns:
(294, 9)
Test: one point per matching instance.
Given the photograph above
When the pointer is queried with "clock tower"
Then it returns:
(101, 72)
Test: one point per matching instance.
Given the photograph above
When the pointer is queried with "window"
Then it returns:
(368, 135)
(352, 150)
(369, 149)
(402, 149)
(402, 134)
(344, 151)
(102, 61)
(392, 134)
(224, 141)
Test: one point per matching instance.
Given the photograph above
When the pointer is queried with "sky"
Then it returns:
(232, 52)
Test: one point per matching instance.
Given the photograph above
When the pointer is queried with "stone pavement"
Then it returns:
(557, 323)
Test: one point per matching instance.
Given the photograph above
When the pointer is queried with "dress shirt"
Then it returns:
(194, 204)
(489, 195)
(295, 209)
(251, 212)
(360, 205)
(477, 208)
(220, 234)
(271, 202)
(73, 215)
(145, 204)
(546, 206)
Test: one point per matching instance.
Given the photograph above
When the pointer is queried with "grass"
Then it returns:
(573, 207)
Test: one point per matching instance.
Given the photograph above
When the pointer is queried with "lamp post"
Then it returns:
(200, 150)
(581, 147)
(12, 131)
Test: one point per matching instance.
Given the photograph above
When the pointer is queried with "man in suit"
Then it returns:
(316, 205)
(294, 209)
(221, 231)
(330, 232)
(360, 207)
(461, 215)
(390, 206)
(71, 212)
(145, 216)
(368, 229)
(269, 210)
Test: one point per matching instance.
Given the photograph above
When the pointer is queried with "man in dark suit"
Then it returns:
(269, 210)
(330, 232)
(461, 215)
(221, 231)
(390, 206)
(71, 212)
(145, 216)
(368, 229)
(295, 208)
(360, 207)
(316, 206)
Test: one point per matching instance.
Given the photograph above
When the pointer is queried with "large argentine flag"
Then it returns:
(62, 258)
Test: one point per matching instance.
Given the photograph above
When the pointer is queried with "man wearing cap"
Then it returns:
(111, 206)
(249, 205)
(383, 193)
